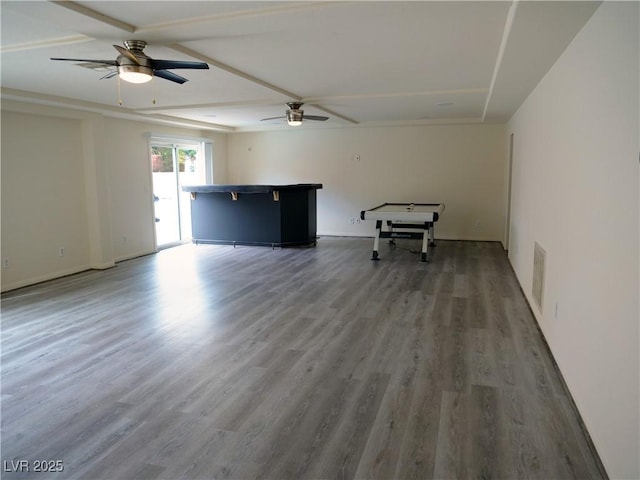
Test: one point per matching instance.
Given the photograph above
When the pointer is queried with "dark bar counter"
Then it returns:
(272, 215)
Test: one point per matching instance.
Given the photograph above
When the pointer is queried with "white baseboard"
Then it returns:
(344, 234)
(44, 278)
(131, 256)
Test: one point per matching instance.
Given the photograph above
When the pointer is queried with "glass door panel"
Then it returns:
(172, 167)
(165, 197)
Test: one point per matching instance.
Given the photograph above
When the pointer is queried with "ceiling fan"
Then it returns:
(295, 116)
(132, 65)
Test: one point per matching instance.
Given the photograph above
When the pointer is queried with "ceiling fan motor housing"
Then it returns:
(294, 105)
(132, 67)
(294, 115)
(135, 46)
(141, 64)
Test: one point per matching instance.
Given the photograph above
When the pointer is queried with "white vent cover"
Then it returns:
(538, 274)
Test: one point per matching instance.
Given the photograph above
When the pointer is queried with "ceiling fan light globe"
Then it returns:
(135, 77)
(135, 73)
(294, 123)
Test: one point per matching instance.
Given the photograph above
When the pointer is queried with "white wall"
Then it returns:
(43, 198)
(462, 166)
(80, 181)
(575, 191)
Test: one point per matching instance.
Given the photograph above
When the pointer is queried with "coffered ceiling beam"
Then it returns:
(87, 12)
(251, 78)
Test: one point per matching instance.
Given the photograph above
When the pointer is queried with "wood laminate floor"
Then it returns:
(219, 362)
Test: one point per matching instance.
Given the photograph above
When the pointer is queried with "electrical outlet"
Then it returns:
(352, 220)
(124, 239)
(61, 252)
(5, 262)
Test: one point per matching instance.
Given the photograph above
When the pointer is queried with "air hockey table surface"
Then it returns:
(427, 212)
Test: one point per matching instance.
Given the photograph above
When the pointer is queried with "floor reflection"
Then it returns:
(182, 304)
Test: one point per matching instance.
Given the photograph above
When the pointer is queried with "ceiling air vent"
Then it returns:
(538, 274)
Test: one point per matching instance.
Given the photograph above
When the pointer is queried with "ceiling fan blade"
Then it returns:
(169, 76)
(109, 75)
(271, 118)
(169, 64)
(315, 117)
(106, 62)
(127, 53)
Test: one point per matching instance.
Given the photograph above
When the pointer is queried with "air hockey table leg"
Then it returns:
(432, 236)
(392, 241)
(376, 240)
(425, 243)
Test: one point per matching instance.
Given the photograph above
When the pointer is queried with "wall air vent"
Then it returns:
(538, 274)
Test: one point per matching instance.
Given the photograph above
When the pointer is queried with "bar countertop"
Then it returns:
(215, 188)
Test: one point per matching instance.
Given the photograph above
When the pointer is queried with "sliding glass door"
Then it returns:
(172, 166)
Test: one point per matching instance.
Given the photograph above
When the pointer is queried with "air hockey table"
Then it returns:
(400, 217)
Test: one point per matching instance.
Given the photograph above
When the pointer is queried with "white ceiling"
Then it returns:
(361, 62)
